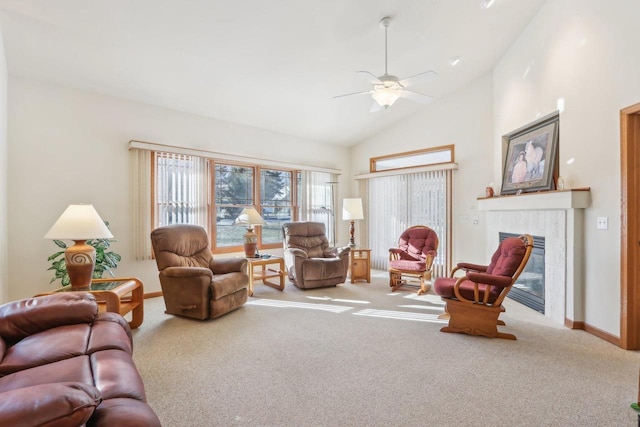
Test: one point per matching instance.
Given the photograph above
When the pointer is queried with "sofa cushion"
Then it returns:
(58, 405)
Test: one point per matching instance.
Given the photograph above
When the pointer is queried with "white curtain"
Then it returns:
(181, 190)
(141, 203)
(398, 202)
(317, 200)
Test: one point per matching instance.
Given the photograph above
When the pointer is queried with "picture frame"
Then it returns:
(531, 161)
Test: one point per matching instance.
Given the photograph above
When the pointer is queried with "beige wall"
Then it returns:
(4, 177)
(583, 52)
(69, 146)
(463, 119)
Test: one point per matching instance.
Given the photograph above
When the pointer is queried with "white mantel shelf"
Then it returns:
(577, 198)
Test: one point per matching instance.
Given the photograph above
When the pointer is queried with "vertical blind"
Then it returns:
(181, 189)
(398, 202)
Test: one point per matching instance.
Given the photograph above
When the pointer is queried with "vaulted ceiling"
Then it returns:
(274, 65)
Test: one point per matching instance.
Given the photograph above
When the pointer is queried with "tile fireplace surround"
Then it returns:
(558, 216)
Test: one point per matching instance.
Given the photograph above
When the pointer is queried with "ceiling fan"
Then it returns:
(388, 88)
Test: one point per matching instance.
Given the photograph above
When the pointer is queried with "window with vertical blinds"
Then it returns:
(178, 188)
(181, 189)
(398, 202)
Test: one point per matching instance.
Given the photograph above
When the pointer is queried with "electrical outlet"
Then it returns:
(602, 223)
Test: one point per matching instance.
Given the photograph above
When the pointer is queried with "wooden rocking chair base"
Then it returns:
(475, 319)
(396, 282)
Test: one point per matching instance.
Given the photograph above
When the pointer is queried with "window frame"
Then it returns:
(256, 189)
(374, 162)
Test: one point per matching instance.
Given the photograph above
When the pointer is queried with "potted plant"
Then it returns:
(105, 260)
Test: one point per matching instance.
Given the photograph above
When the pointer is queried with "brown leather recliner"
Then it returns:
(308, 258)
(194, 284)
(64, 364)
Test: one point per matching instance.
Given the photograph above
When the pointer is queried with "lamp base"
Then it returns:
(352, 230)
(250, 240)
(80, 260)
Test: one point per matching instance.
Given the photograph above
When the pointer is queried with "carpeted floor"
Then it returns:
(359, 355)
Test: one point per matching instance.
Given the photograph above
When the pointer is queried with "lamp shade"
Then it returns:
(352, 209)
(79, 222)
(249, 216)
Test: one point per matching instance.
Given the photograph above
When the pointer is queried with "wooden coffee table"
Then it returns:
(117, 295)
(265, 273)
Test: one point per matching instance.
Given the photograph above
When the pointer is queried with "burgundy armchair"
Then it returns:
(413, 258)
(474, 301)
(193, 283)
(309, 260)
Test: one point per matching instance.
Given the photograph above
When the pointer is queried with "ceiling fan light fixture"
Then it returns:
(385, 96)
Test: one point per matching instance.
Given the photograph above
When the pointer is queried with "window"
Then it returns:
(398, 202)
(410, 159)
(212, 193)
(180, 189)
(236, 187)
(276, 202)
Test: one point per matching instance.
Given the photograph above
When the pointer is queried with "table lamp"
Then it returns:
(79, 223)
(249, 217)
(352, 210)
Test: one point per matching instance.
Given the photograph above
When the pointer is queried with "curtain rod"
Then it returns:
(152, 146)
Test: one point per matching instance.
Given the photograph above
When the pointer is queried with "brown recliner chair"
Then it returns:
(309, 260)
(194, 284)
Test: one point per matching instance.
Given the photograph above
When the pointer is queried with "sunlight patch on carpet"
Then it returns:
(432, 299)
(402, 315)
(293, 304)
(422, 307)
(349, 301)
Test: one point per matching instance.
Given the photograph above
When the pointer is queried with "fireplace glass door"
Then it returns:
(529, 288)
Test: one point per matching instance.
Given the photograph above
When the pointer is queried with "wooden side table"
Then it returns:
(360, 265)
(117, 295)
(265, 273)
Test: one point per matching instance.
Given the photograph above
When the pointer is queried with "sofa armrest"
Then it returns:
(228, 265)
(295, 252)
(60, 404)
(19, 319)
(467, 266)
(339, 252)
(186, 272)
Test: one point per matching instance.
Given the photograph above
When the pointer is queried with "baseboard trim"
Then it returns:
(153, 295)
(593, 331)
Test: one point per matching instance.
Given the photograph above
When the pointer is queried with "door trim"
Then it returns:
(630, 227)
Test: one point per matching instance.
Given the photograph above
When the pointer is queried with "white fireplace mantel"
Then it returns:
(564, 199)
(558, 216)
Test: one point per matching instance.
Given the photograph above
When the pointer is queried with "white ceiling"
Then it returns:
(272, 64)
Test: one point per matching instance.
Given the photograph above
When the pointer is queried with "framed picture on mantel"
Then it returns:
(531, 161)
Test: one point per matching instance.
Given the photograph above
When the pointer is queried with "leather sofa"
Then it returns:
(64, 364)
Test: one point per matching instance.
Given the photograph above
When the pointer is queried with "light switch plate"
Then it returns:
(602, 223)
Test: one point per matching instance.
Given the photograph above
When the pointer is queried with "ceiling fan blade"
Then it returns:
(354, 93)
(367, 75)
(416, 97)
(375, 108)
(419, 78)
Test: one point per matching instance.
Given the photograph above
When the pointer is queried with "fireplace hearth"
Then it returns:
(529, 288)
